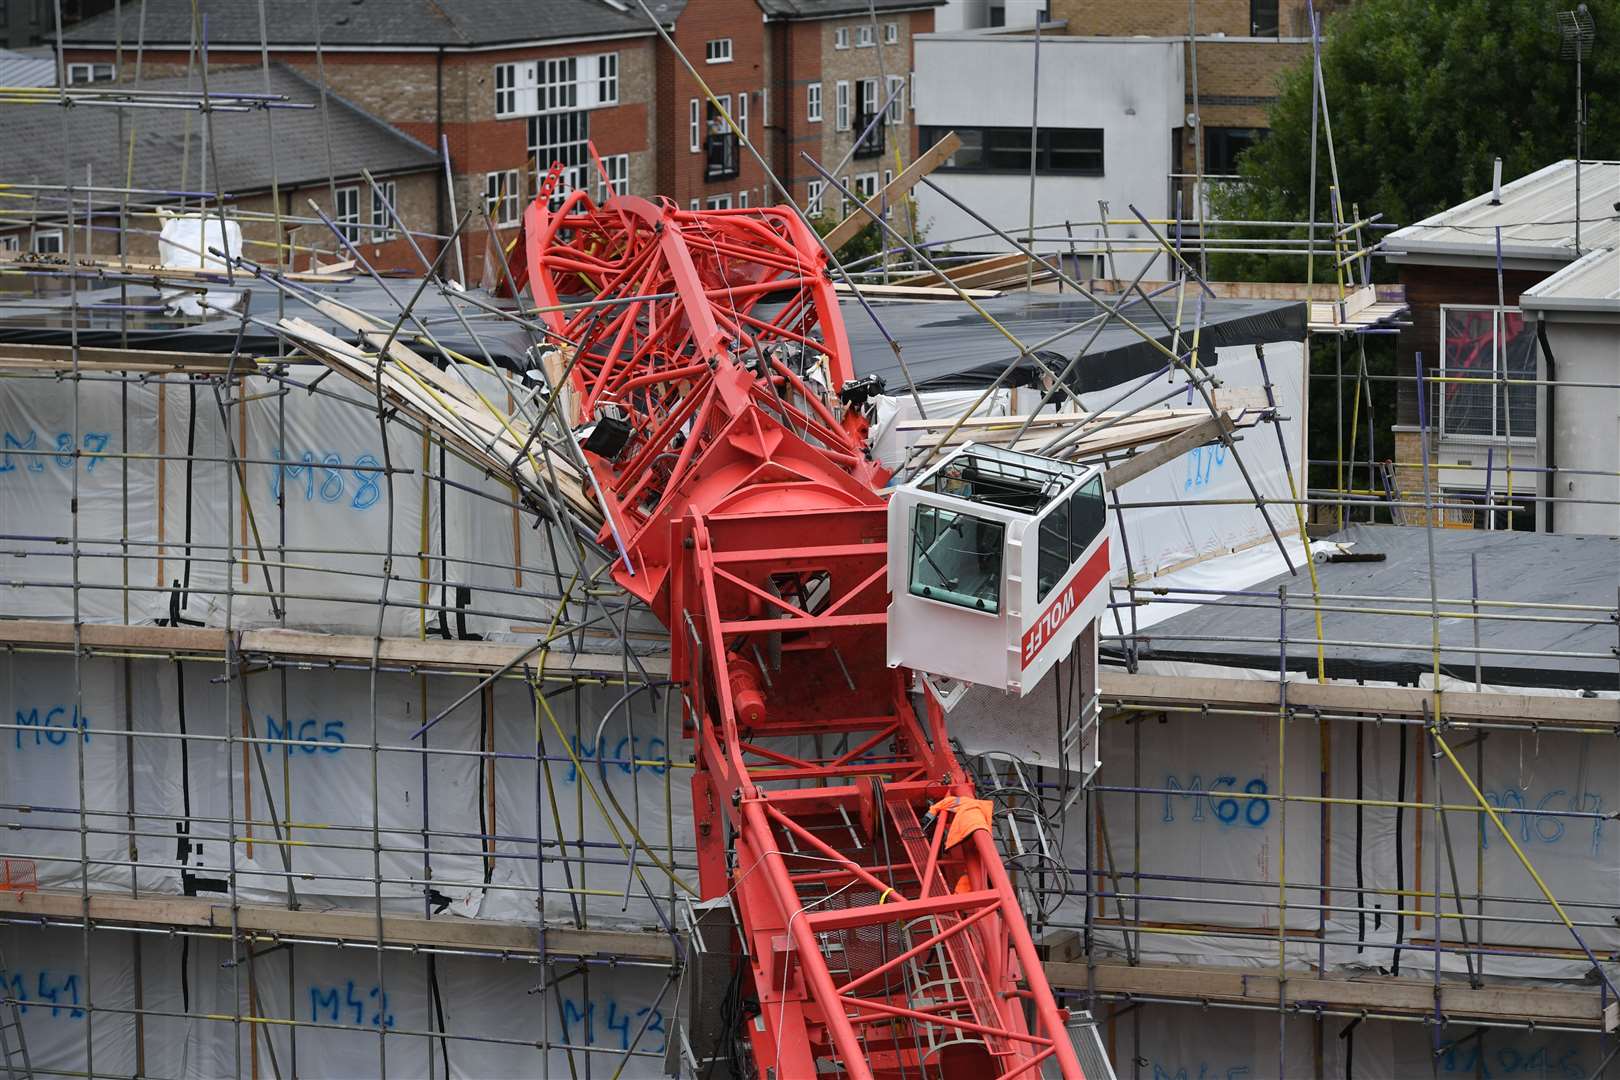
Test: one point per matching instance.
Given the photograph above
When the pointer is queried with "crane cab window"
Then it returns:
(1018, 482)
(1065, 533)
(956, 558)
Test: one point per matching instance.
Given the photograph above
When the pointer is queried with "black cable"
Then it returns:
(1400, 855)
(1361, 898)
(438, 1009)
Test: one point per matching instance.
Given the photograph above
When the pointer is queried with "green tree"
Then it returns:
(1425, 94)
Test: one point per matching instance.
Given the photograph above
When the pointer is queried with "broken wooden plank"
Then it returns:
(926, 162)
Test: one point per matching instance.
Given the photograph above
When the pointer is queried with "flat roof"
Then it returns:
(1536, 215)
(1590, 284)
(1240, 629)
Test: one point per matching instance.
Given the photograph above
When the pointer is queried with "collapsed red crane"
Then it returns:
(883, 937)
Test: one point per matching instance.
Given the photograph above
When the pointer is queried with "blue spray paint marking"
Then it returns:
(325, 480)
(579, 1024)
(58, 990)
(1205, 1071)
(1227, 810)
(350, 1006)
(1203, 463)
(1544, 1062)
(620, 756)
(311, 736)
(94, 442)
(1542, 827)
(51, 727)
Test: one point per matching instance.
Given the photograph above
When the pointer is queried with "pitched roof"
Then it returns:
(34, 136)
(369, 23)
(27, 69)
(824, 9)
(1590, 285)
(1536, 216)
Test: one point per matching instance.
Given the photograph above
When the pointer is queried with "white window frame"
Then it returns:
(812, 199)
(505, 90)
(742, 200)
(897, 105)
(618, 177)
(888, 178)
(694, 126)
(382, 223)
(844, 205)
(1499, 398)
(841, 105)
(40, 248)
(812, 103)
(891, 33)
(742, 113)
(10, 243)
(607, 79)
(83, 74)
(693, 205)
(717, 202)
(557, 85)
(866, 186)
(863, 36)
(502, 197)
(564, 137)
(346, 212)
(717, 51)
(841, 38)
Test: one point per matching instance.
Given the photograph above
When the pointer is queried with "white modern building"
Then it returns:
(978, 14)
(1577, 317)
(1105, 119)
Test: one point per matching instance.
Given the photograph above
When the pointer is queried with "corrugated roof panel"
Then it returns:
(1536, 216)
(1591, 284)
(20, 69)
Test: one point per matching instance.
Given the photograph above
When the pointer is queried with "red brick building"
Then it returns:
(502, 85)
(834, 64)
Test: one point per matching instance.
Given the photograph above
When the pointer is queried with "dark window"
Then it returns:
(720, 147)
(1263, 21)
(866, 106)
(1058, 151)
(998, 15)
(1066, 531)
(1223, 146)
(1492, 347)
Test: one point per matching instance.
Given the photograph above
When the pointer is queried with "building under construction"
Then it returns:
(595, 635)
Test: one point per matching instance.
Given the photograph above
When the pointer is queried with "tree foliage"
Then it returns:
(1423, 96)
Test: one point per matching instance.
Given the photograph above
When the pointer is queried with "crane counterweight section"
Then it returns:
(879, 941)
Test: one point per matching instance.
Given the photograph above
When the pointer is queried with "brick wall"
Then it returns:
(1169, 17)
(681, 170)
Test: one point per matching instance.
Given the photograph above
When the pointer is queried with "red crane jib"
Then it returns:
(744, 496)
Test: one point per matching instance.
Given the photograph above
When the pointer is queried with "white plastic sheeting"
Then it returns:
(600, 1013)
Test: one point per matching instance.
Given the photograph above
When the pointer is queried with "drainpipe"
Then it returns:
(442, 228)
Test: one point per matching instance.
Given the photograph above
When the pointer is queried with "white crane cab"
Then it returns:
(998, 561)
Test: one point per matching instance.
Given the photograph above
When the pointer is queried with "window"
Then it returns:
(1223, 146)
(561, 138)
(1066, 531)
(506, 90)
(896, 98)
(812, 199)
(866, 108)
(717, 202)
(844, 205)
(863, 36)
(383, 196)
(866, 185)
(78, 74)
(841, 38)
(1488, 344)
(742, 112)
(48, 242)
(888, 208)
(891, 33)
(841, 106)
(720, 145)
(501, 196)
(718, 51)
(559, 84)
(618, 177)
(956, 558)
(1263, 21)
(693, 205)
(1059, 151)
(607, 79)
(694, 127)
(348, 213)
(742, 200)
(9, 243)
(998, 15)
(812, 103)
